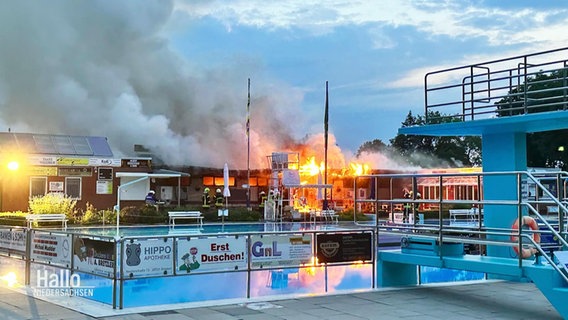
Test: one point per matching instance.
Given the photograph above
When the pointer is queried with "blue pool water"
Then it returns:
(229, 285)
(205, 229)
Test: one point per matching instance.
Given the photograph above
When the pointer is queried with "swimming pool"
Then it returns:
(161, 265)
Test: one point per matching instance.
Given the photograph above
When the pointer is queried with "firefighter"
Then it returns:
(205, 199)
(407, 205)
(152, 200)
(218, 198)
(263, 199)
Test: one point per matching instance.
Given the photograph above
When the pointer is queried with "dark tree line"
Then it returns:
(429, 151)
(543, 92)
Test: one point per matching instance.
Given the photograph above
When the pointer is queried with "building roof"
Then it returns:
(49, 144)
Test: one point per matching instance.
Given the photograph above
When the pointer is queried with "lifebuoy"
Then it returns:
(533, 225)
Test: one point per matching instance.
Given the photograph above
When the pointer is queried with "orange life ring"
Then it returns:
(533, 225)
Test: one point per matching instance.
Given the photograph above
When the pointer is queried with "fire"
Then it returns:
(312, 172)
(310, 168)
(358, 169)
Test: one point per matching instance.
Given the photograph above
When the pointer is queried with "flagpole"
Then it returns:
(325, 126)
(248, 147)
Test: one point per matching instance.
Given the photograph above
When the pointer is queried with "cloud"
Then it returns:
(466, 19)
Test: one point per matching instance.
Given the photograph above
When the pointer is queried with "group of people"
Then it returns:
(208, 199)
(273, 196)
(408, 207)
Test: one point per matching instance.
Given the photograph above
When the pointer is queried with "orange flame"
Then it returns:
(310, 168)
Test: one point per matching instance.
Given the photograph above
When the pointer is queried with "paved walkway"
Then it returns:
(475, 300)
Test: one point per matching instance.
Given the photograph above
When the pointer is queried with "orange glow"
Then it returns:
(10, 278)
(310, 168)
(13, 165)
(312, 172)
(358, 169)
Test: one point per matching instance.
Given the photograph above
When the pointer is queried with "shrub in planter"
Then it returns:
(17, 218)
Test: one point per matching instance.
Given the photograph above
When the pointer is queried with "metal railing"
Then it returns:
(440, 228)
(118, 259)
(512, 86)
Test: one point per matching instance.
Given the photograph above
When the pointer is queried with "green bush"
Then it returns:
(93, 216)
(142, 215)
(53, 203)
(347, 215)
(17, 218)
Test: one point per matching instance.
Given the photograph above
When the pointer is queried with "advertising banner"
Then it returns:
(211, 254)
(51, 248)
(343, 247)
(94, 256)
(148, 257)
(13, 240)
(280, 250)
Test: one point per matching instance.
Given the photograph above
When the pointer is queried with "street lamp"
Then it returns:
(13, 165)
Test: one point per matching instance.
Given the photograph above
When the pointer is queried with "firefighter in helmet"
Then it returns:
(218, 198)
(263, 199)
(205, 199)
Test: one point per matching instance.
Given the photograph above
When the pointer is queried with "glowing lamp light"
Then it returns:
(561, 148)
(13, 165)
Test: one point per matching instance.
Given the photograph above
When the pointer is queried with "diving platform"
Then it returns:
(501, 101)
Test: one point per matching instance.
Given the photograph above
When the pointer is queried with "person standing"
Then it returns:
(263, 199)
(218, 198)
(407, 205)
(205, 199)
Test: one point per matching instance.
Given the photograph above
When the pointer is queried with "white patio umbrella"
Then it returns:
(226, 191)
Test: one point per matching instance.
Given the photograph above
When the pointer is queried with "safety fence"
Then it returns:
(185, 267)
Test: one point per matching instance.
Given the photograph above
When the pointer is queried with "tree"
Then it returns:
(372, 146)
(545, 91)
(455, 150)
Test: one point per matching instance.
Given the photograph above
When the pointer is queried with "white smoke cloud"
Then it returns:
(105, 68)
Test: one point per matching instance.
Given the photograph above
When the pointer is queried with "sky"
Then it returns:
(173, 75)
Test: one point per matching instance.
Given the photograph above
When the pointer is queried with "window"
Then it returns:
(208, 181)
(73, 187)
(38, 186)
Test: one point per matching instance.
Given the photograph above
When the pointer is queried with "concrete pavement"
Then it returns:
(466, 300)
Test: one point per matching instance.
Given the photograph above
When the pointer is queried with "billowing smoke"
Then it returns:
(105, 68)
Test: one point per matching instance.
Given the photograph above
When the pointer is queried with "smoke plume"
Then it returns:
(106, 68)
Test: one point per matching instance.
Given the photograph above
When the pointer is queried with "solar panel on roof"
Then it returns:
(44, 144)
(26, 142)
(7, 141)
(56, 144)
(100, 146)
(81, 146)
(63, 145)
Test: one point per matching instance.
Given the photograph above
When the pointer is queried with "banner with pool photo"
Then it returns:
(195, 255)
